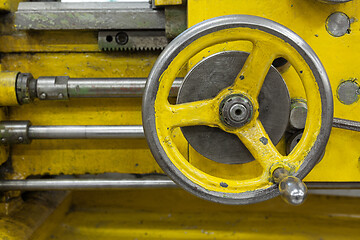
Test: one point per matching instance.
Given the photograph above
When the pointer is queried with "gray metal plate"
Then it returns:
(206, 80)
(89, 16)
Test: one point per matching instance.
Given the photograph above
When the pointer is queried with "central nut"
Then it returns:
(236, 110)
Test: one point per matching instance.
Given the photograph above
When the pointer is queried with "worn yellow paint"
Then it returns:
(49, 41)
(4, 5)
(4, 151)
(77, 55)
(38, 214)
(8, 89)
(338, 55)
(266, 48)
(167, 2)
(175, 214)
(82, 156)
(9, 5)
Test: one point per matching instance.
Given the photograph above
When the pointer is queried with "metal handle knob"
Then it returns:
(291, 188)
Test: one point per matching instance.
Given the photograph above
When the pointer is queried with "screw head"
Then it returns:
(122, 38)
(3, 140)
(43, 96)
(60, 96)
(20, 139)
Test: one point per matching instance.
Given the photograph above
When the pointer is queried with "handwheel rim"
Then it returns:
(200, 30)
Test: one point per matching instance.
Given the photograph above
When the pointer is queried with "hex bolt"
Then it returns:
(43, 96)
(298, 114)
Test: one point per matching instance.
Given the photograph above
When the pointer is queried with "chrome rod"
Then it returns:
(346, 124)
(111, 87)
(105, 184)
(81, 184)
(63, 88)
(85, 132)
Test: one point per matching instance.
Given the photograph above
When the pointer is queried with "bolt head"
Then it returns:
(3, 140)
(43, 96)
(20, 139)
(60, 96)
(298, 115)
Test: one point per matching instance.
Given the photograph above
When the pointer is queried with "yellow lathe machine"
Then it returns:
(175, 119)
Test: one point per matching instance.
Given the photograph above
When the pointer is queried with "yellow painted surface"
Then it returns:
(266, 49)
(63, 53)
(49, 41)
(30, 218)
(9, 5)
(82, 156)
(8, 89)
(175, 214)
(167, 2)
(338, 55)
(4, 5)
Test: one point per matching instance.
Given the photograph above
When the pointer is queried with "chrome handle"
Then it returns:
(292, 189)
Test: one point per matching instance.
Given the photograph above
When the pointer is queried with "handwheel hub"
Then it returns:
(206, 80)
(236, 110)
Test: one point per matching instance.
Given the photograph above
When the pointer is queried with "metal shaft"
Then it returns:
(63, 87)
(111, 87)
(346, 124)
(85, 132)
(22, 132)
(81, 184)
(90, 184)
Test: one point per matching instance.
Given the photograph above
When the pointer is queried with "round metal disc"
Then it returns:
(206, 80)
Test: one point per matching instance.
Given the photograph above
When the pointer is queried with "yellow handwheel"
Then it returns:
(235, 108)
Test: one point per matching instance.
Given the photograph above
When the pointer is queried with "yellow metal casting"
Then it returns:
(338, 55)
(9, 5)
(167, 2)
(4, 5)
(175, 214)
(35, 216)
(8, 89)
(51, 53)
(249, 82)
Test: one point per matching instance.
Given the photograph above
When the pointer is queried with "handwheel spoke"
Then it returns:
(251, 77)
(257, 141)
(191, 114)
